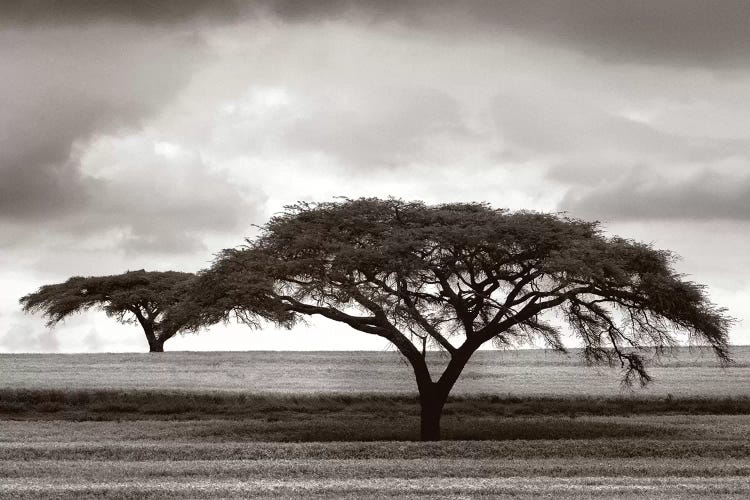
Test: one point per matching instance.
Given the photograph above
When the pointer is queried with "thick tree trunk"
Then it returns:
(431, 400)
(431, 411)
(433, 395)
(156, 345)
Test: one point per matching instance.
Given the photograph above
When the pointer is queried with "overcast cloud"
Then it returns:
(153, 134)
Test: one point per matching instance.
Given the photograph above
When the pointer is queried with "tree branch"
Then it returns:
(364, 324)
(423, 322)
(458, 303)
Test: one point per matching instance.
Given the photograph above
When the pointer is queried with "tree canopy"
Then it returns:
(456, 276)
(146, 297)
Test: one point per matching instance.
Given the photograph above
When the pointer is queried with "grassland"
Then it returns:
(101, 437)
(522, 373)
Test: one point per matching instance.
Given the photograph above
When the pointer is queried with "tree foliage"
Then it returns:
(148, 298)
(456, 276)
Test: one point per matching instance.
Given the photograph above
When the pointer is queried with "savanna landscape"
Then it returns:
(520, 424)
(453, 410)
(374, 249)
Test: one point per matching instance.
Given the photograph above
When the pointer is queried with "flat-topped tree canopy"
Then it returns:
(145, 297)
(456, 276)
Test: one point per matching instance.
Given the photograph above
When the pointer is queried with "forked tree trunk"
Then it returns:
(433, 395)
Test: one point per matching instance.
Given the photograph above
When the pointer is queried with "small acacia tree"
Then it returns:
(457, 276)
(146, 297)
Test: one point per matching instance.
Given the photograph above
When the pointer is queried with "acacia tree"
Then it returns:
(457, 276)
(145, 297)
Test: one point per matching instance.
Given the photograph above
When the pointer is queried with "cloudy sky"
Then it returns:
(153, 134)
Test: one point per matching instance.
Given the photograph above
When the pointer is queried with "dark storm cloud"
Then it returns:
(57, 12)
(690, 32)
(642, 194)
(60, 88)
(64, 88)
(680, 32)
(145, 203)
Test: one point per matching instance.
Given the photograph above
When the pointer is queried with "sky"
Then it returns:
(151, 135)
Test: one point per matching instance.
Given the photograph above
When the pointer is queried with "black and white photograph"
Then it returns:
(354, 249)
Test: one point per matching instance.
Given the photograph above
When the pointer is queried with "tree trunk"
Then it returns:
(433, 395)
(156, 345)
(431, 399)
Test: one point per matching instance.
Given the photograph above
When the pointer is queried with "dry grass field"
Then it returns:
(343, 425)
(522, 373)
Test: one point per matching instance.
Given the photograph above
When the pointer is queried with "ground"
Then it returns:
(265, 425)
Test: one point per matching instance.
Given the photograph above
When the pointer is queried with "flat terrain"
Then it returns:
(523, 373)
(342, 425)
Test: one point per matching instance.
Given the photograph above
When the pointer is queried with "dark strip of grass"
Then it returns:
(134, 404)
(375, 428)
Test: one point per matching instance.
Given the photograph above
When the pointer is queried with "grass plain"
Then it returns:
(523, 373)
(524, 424)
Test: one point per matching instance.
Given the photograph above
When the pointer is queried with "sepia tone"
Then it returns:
(360, 249)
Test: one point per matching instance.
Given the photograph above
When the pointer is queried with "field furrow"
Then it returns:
(432, 487)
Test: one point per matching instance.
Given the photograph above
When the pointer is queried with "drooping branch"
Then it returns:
(466, 270)
(368, 324)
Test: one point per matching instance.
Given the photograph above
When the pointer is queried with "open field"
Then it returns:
(652, 456)
(83, 428)
(522, 373)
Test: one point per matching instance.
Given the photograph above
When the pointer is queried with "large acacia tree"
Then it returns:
(146, 297)
(458, 276)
